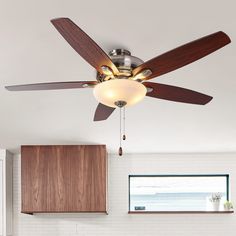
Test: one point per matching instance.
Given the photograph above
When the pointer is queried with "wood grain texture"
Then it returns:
(51, 86)
(102, 112)
(88, 178)
(176, 94)
(61, 178)
(83, 44)
(184, 55)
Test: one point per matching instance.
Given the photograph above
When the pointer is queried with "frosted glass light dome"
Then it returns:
(114, 90)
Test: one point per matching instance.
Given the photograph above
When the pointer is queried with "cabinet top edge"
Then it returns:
(65, 145)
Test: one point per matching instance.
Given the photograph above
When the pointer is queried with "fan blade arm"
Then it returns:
(176, 94)
(102, 112)
(83, 44)
(184, 55)
(52, 86)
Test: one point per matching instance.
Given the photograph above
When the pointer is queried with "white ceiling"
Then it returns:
(32, 51)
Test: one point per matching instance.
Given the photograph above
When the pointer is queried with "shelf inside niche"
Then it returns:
(180, 212)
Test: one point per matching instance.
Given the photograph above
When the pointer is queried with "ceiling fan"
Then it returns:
(122, 78)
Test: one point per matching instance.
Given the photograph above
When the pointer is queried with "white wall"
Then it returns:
(118, 222)
(6, 159)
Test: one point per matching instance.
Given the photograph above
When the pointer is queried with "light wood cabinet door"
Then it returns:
(88, 178)
(70, 178)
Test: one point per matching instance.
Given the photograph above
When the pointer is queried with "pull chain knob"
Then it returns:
(120, 151)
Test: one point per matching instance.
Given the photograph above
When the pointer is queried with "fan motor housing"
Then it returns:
(124, 62)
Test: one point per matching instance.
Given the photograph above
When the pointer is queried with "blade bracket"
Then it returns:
(149, 90)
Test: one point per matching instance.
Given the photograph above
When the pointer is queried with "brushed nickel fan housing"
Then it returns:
(125, 63)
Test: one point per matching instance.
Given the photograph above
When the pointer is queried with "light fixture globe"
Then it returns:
(115, 90)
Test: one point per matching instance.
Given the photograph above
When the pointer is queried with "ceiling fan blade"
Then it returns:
(176, 94)
(83, 44)
(52, 86)
(184, 55)
(102, 112)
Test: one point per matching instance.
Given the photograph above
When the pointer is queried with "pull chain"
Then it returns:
(120, 148)
(121, 104)
(124, 136)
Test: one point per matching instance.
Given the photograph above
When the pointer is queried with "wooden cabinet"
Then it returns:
(63, 178)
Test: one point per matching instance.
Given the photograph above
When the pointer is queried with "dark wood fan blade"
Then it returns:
(83, 44)
(51, 86)
(176, 94)
(102, 112)
(184, 55)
